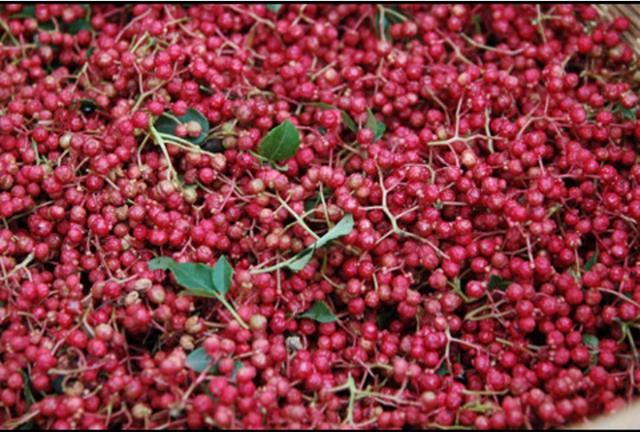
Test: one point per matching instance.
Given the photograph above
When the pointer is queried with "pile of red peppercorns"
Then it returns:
(414, 215)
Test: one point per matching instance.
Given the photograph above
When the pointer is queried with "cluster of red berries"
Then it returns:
(487, 155)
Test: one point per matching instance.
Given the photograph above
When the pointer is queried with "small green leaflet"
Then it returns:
(627, 113)
(28, 11)
(199, 360)
(477, 23)
(26, 390)
(47, 26)
(237, 365)
(319, 312)
(591, 262)
(72, 28)
(384, 20)
(346, 118)
(221, 275)
(274, 7)
(301, 260)
(375, 126)
(591, 341)
(443, 370)
(321, 105)
(199, 279)
(77, 25)
(280, 143)
(497, 282)
(348, 121)
(341, 229)
(167, 124)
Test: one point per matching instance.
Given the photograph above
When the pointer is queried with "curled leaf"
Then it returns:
(376, 126)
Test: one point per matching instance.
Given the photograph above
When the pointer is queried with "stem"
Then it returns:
(20, 266)
(232, 311)
(157, 138)
(296, 216)
(621, 296)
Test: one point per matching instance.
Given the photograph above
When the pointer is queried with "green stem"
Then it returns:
(232, 311)
(160, 142)
(274, 267)
(296, 216)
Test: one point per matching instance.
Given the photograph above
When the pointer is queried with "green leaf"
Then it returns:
(77, 25)
(199, 360)
(591, 341)
(237, 365)
(341, 229)
(274, 7)
(443, 370)
(348, 121)
(591, 262)
(301, 259)
(167, 124)
(26, 390)
(627, 113)
(496, 281)
(280, 143)
(477, 23)
(321, 105)
(28, 11)
(375, 126)
(319, 312)
(311, 203)
(47, 26)
(197, 278)
(221, 276)
(89, 52)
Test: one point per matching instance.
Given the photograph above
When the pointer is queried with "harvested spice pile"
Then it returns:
(317, 216)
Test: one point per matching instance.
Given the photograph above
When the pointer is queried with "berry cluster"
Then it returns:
(430, 211)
